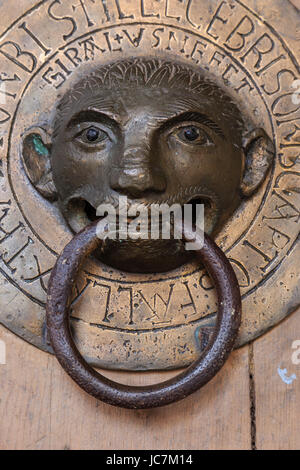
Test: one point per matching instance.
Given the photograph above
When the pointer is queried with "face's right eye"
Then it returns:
(92, 136)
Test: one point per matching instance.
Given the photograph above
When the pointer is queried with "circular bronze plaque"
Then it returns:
(150, 321)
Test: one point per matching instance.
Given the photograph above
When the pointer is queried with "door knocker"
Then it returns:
(197, 108)
(197, 375)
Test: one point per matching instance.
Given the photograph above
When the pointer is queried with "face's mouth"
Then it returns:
(80, 213)
(210, 211)
(90, 211)
(147, 255)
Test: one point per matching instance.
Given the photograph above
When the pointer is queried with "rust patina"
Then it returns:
(194, 377)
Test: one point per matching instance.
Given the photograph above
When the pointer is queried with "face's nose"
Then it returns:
(136, 174)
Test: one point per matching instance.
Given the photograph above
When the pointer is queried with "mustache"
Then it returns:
(182, 196)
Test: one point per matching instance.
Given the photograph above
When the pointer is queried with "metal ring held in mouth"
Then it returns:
(177, 388)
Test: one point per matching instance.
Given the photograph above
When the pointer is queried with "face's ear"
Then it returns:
(36, 150)
(259, 153)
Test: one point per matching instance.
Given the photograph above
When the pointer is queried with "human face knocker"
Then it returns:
(153, 130)
(130, 129)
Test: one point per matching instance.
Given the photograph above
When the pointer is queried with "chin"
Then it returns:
(139, 256)
(144, 256)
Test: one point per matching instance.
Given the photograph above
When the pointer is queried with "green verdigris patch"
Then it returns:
(39, 146)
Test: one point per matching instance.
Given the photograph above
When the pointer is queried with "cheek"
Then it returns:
(218, 167)
(73, 168)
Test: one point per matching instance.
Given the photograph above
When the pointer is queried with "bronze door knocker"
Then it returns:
(129, 129)
(197, 375)
(179, 106)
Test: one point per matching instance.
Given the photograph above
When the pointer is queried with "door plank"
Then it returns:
(277, 403)
(296, 3)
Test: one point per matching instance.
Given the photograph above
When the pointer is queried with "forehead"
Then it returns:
(123, 101)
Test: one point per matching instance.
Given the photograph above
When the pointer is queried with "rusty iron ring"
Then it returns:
(177, 388)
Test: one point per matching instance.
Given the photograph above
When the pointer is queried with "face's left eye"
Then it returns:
(92, 136)
(192, 135)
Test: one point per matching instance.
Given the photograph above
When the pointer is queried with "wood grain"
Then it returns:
(277, 403)
(296, 3)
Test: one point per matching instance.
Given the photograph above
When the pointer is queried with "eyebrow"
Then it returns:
(91, 116)
(196, 117)
(98, 116)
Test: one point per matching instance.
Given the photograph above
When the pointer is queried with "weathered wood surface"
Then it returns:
(277, 402)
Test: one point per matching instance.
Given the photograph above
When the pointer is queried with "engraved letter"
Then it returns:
(62, 18)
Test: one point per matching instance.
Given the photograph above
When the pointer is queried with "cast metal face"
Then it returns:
(152, 146)
(243, 84)
(174, 140)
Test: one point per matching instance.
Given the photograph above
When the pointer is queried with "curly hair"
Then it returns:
(153, 73)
